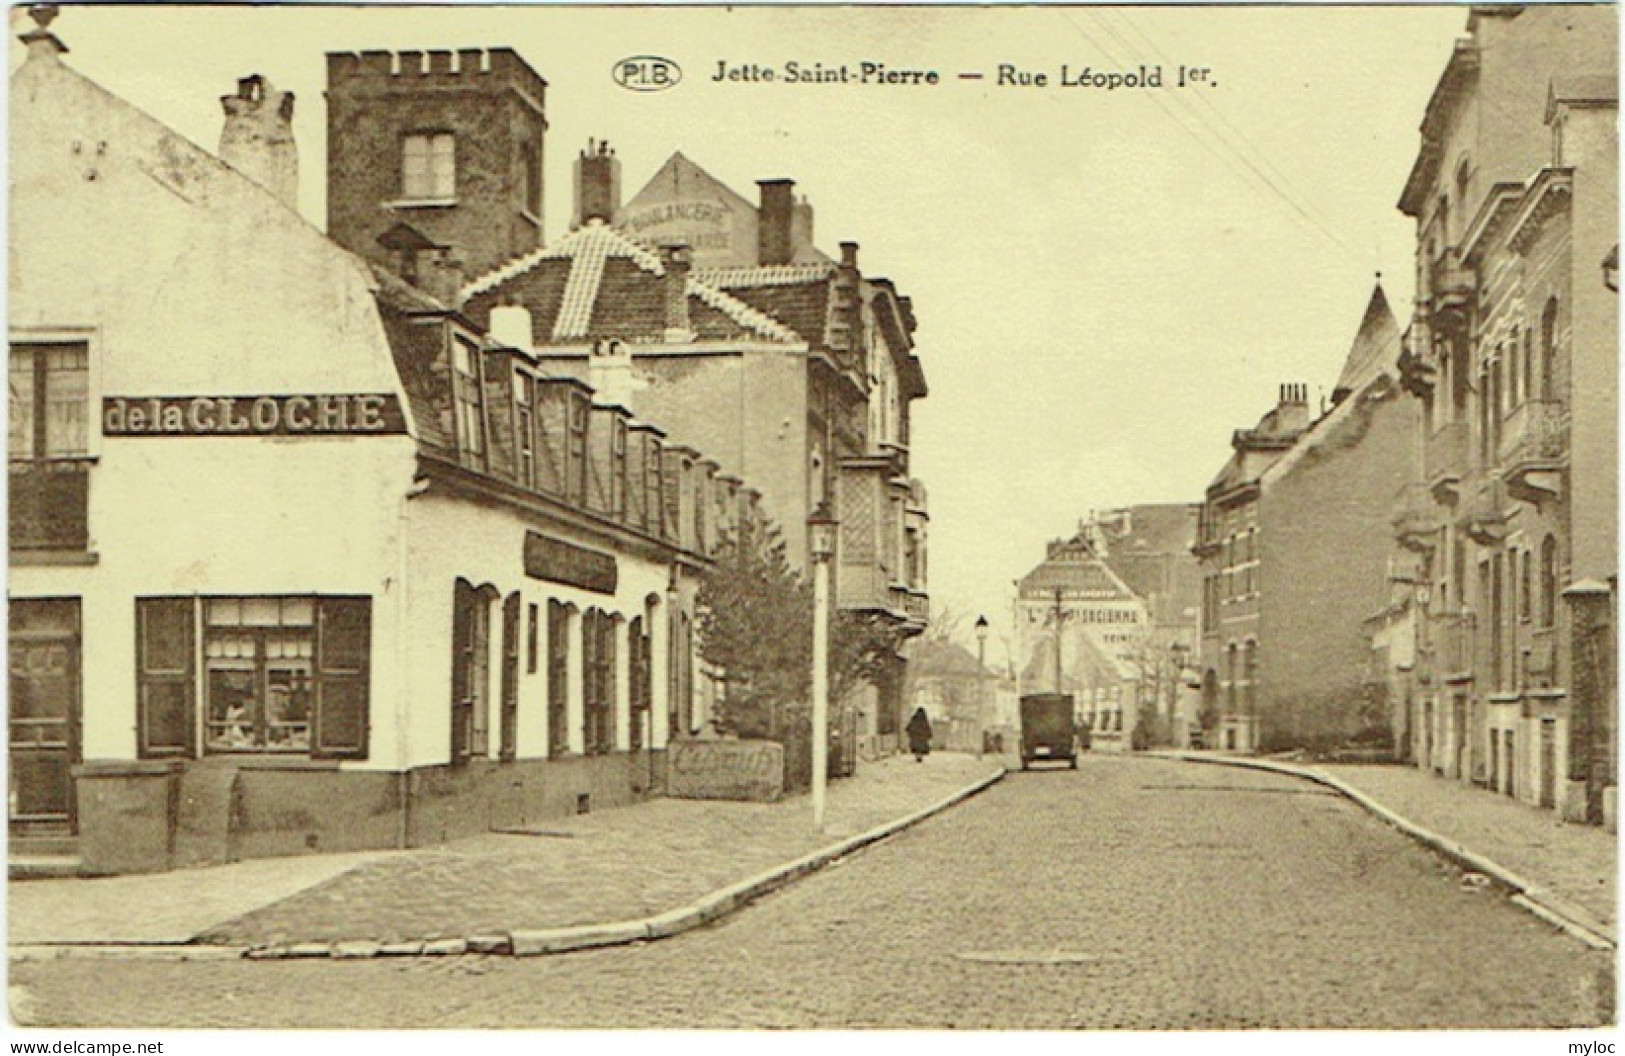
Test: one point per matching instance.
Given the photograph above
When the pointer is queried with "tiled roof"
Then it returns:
(766, 275)
(606, 290)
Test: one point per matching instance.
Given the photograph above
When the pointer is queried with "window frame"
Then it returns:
(433, 185)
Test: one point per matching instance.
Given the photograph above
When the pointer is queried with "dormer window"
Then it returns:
(429, 166)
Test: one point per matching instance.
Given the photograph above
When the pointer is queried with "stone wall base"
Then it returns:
(143, 817)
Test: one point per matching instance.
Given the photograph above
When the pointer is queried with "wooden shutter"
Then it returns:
(343, 648)
(509, 747)
(166, 677)
(461, 709)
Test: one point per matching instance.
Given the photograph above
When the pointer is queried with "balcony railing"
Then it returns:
(50, 502)
(1452, 639)
(917, 606)
(1536, 431)
(1450, 286)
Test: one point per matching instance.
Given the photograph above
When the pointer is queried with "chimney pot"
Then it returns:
(775, 221)
(849, 254)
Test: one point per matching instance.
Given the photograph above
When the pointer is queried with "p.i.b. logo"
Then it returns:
(647, 73)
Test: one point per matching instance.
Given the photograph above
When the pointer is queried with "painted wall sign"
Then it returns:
(366, 414)
(556, 561)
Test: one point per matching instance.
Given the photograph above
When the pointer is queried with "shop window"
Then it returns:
(279, 675)
(509, 748)
(470, 673)
(558, 677)
(429, 166)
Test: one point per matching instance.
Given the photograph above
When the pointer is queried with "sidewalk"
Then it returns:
(617, 865)
(1578, 863)
(1566, 869)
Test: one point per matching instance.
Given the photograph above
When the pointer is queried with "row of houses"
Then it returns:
(393, 533)
(1429, 562)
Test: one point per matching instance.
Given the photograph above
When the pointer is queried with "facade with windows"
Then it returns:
(302, 559)
(1511, 520)
(1295, 558)
(795, 372)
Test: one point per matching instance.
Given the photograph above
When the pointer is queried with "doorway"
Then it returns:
(43, 687)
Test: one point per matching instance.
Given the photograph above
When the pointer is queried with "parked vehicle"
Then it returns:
(1048, 733)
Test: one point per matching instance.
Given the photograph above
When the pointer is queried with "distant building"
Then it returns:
(1294, 556)
(796, 375)
(1511, 517)
(1119, 601)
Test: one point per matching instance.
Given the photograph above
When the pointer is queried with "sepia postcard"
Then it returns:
(1033, 518)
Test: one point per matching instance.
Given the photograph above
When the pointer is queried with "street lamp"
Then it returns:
(981, 683)
(821, 542)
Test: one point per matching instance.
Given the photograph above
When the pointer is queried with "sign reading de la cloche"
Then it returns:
(341, 414)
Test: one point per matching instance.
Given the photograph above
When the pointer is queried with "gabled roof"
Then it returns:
(1375, 347)
(597, 282)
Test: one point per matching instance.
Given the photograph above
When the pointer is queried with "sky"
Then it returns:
(1107, 282)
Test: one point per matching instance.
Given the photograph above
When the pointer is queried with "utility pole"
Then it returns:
(1058, 688)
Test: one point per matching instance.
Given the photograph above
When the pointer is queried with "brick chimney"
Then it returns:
(676, 259)
(257, 139)
(598, 184)
(1292, 409)
(774, 221)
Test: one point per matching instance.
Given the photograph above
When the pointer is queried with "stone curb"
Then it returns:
(1549, 907)
(525, 943)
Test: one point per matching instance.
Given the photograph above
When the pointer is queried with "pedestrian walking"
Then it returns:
(919, 735)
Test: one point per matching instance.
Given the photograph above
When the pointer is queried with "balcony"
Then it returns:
(1484, 519)
(50, 501)
(1450, 291)
(1534, 444)
(1444, 458)
(1416, 519)
(917, 607)
(1451, 634)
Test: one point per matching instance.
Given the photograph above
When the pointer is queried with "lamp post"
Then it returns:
(981, 684)
(821, 539)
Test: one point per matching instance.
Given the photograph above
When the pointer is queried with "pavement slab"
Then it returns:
(617, 865)
(161, 907)
(1578, 863)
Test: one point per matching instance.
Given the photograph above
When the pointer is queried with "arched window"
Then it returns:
(1548, 582)
(1548, 350)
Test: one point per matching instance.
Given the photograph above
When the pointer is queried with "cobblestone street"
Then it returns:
(1133, 893)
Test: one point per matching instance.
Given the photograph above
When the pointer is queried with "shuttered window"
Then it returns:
(165, 676)
(281, 675)
(343, 647)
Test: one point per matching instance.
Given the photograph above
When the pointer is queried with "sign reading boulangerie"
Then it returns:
(331, 414)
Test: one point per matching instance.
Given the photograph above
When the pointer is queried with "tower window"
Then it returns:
(429, 166)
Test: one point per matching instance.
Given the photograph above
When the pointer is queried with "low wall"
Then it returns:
(141, 817)
(742, 770)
